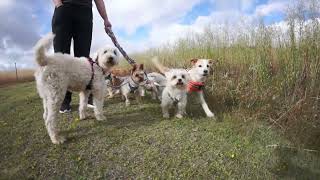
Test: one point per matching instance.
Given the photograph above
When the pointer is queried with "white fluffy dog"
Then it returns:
(198, 74)
(58, 73)
(175, 91)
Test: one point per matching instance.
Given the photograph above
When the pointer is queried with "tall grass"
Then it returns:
(9, 77)
(265, 72)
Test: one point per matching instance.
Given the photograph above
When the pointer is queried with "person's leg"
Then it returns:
(82, 34)
(62, 28)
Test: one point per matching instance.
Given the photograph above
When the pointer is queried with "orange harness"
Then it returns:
(194, 86)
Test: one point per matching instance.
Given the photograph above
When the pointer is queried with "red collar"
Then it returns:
(194, 86)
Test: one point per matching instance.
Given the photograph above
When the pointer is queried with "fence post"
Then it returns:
(15, 66)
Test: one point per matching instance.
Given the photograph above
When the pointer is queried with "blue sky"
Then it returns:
(138, 24)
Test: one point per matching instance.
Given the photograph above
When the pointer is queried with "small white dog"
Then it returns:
(58, 73)
(175, 91)
(198, 74)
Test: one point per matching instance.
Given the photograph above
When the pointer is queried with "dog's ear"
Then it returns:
(134, 68)
(95, 57)
(141, 67)
(194, 61)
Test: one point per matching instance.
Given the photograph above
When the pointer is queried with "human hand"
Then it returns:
(58, 4)
(107, 24)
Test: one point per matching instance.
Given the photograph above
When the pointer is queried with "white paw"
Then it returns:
(58, 139)
(167, 116)
(211, 115)
(101, 118)
(179, 116)
(83, 116)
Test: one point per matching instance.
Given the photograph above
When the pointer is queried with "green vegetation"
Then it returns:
(136, 142)
(266, 73)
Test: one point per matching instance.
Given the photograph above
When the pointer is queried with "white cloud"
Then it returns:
(271, 7)
(163, 20)
(129, 15)
(6, 3)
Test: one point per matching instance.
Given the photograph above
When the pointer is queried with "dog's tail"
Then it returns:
(41, 47)
(159, 66)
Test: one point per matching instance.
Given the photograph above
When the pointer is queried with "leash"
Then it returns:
(175, 100)
(116, 43)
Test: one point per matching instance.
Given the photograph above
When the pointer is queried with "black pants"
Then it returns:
(72, 22)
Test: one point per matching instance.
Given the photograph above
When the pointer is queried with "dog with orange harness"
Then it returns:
(199, 74)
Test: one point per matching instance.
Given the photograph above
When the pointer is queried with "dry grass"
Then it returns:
(9, 77)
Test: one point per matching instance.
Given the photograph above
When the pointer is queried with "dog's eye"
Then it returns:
(200, 66)
(174, 77)
(183, 76)
(115, 52)
(207, 65)
(105, 52)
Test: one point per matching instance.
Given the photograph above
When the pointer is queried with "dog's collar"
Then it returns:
(194, 86)
(89, 85)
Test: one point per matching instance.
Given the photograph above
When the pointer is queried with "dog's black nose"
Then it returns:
(205, 71)
(110, 59)
(179, 80)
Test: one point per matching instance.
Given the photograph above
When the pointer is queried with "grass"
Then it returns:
(10, 77)
(265, 73)
(136, 142)
(265, 91)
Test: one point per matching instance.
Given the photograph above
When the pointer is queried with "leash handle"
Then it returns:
(115, 42)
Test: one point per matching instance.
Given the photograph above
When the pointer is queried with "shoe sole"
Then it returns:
(65, 111)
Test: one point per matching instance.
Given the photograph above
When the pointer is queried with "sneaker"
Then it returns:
(90, 106)
(65, 111)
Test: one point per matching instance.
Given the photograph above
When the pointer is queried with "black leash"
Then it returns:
(175, 100)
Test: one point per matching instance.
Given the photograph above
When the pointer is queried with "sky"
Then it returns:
(138, 24)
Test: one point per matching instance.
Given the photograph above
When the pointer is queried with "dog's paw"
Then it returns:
(179, 116)
(101, 118)
(210, 115)
(167, 116)
(83, 116)
(58, 139)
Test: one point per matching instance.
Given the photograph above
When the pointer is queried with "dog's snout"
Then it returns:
(110, 59)
(179, 80)
(205, 71)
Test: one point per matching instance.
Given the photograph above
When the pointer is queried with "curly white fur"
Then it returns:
(58, 73)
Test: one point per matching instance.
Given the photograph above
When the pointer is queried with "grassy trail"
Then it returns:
(136, 142)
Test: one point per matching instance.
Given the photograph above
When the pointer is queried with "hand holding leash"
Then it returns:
(107, 24)
(115, 42)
